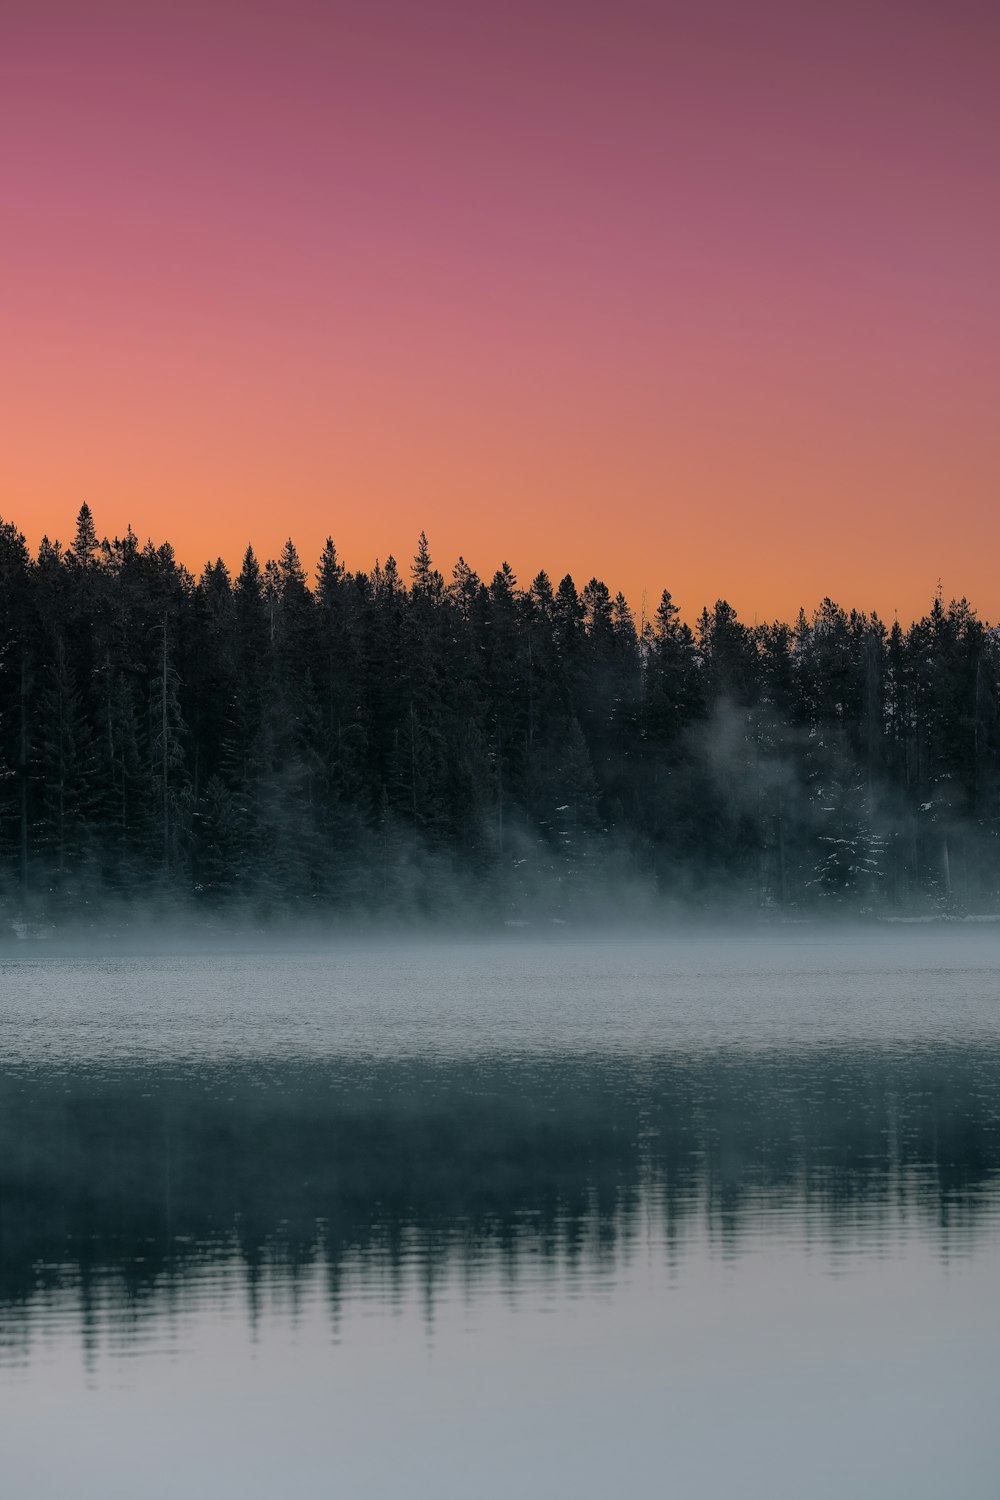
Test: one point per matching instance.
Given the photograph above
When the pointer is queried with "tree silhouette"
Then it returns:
(361, 741)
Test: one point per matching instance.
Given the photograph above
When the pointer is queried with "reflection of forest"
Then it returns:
(133, 1178)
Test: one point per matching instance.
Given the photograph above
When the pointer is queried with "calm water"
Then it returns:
(695, 1217)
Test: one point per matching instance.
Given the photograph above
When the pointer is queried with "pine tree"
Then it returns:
(85, 546)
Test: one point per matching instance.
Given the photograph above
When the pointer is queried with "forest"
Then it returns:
(403, 744)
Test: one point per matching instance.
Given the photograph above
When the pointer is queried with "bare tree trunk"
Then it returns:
(873, 725)
(975, 734)
(164, 730)
(62, 781)
(24, 774)
(946, 864)
(500, 789)
(413, 773)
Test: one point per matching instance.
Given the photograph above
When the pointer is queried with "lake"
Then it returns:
(705, 1214)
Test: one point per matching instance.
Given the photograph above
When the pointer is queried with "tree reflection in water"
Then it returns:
(124, 1190)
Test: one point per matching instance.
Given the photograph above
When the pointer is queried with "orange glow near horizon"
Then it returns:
(698, 301)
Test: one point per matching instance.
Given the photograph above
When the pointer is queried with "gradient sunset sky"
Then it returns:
(696, 295)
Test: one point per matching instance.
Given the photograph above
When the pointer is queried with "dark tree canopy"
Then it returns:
(450, 745)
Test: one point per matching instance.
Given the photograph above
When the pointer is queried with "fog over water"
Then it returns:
(710, 1212)
(167, 996)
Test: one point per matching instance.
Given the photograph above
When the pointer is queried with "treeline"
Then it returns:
(419, 745)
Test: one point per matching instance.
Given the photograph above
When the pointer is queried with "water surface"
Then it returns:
(714, 1215)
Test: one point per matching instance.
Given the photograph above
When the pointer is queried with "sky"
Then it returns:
(693, 295)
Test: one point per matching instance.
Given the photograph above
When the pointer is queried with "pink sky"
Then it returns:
(703, 296)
